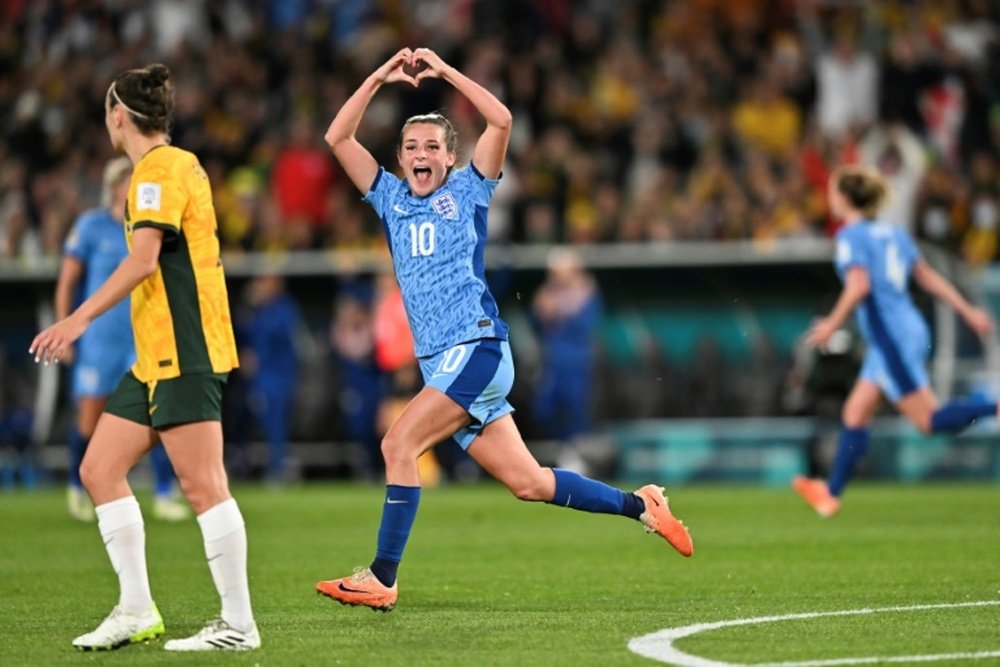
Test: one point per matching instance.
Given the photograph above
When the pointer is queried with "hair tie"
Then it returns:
(114, 94)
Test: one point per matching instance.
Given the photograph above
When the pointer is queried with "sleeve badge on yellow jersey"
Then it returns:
(147, 196)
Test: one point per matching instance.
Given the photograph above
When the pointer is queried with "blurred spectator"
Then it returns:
(897, 153)
(980, 244)
(267, 326)
(566, 311)
(301, 177)
(768, 121)
(361, 387)
(847, 73)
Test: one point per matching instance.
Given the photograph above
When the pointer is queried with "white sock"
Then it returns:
(120, 523)
(226, 549)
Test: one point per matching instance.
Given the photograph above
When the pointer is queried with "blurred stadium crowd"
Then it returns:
(634, 120)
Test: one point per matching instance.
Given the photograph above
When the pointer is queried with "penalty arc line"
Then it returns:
(659, 645)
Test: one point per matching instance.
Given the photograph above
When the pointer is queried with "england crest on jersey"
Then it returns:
(445, 206)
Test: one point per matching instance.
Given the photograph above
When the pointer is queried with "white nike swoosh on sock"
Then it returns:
(393, 501)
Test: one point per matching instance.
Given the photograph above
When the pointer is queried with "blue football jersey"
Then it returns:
(888, 253)
(437, 245)
(97, 240)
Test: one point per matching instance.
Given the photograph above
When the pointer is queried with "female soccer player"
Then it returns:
(875, 261)
(184, 352)
(435, 220)
(93, 249)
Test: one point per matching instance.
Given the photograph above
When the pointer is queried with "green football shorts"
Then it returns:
(196, 397)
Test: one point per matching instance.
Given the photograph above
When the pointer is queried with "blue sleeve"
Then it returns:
(852, 251)
(77, 244)
(910, 249)
(481, 187)
(383, 189)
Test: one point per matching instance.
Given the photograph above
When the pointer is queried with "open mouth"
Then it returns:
(422, 175)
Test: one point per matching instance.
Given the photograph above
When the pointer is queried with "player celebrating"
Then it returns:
(93, 249)
(435, 221)
(875, 261)
(184, 352)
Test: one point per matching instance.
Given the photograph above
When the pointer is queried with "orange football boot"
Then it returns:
(658, 519)
(360, 589)
(817, 494)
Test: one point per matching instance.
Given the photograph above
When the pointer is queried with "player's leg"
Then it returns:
(856, 416)
(195, 449)
(88, 410)
(116, 446)
(921, 408)
(189, 423)
(501, 451)
(427, 420)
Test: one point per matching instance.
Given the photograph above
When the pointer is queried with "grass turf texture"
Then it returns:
(490, 581)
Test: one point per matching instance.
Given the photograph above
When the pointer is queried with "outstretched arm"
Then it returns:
(857, 285)
(142, 262)
(359, 164)
(492, 145)
(934, 283)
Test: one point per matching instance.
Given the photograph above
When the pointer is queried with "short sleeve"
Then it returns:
(852, 251)
(77, 244)
(911, 249)
(383, 189)
(160, 196)
(482, 187)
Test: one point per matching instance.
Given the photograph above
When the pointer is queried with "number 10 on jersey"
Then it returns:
(421, 239)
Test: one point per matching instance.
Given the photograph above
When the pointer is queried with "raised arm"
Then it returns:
(51, 344)
(359, 164)
(934, 283)
(492, 145)
(857, 285)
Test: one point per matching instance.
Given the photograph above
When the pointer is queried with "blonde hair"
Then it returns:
(114, 172)
(864, 188)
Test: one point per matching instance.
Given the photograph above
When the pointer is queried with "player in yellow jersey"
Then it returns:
(184, 352)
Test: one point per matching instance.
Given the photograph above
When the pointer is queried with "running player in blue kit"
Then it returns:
(93, 250)
(435, 224)
(876, 261)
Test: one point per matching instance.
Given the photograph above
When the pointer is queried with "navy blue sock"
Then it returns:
(954, 416)
(163, 472)
(77, 447)
(583, 493)
(851, 447)
(398, 513)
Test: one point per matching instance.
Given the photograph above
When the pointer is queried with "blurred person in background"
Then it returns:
(435, 220)
(876, 262)
(266, 330)
(360, 390)
(566, 312)
(93, 250)
(301, 179)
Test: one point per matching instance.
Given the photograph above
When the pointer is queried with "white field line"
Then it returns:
(660, 645)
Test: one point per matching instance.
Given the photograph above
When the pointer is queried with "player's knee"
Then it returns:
(203, 492)
(531, 488)
(851, 417)
(395, 449)
(92, 476)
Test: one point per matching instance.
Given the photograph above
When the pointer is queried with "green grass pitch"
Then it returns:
(491, 581)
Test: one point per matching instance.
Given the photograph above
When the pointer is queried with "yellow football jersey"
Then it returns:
(180, 314)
